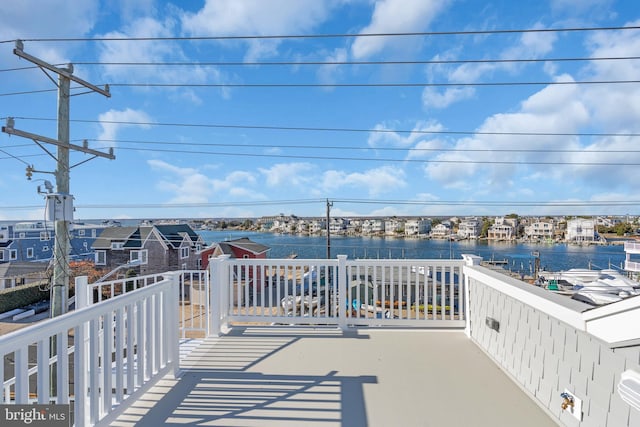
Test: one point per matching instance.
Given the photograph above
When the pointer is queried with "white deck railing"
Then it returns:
(126, 344)
(193, 296)
(424, 293)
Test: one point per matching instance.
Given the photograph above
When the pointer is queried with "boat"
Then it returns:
(594, 287)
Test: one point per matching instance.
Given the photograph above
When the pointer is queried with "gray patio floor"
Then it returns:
(282, 376)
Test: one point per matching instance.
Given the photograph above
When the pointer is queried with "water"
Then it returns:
(519, 256)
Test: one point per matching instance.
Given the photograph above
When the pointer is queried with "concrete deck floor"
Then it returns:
(281, 376)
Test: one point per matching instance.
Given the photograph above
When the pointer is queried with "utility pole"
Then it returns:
(329, 205)
(60, 204)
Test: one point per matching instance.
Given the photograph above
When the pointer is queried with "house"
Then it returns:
(540, 230)
(469, 228)
(35, 241)
(581, 230)
(16, 273)
(149, 249)
(417, 227)
(238, 248)
(373, 226)
(441, 231)
(503, 229)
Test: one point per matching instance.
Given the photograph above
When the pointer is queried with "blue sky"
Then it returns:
(408, 145)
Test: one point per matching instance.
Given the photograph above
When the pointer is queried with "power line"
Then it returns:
(323, 36)
(336, 129)
(339, 147)
(321, 63)
(316, 63)
(374, 159)
(342, 85)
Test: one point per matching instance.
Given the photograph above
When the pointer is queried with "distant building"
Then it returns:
(149, 249)
(502, 230)
(417, 227)
(35, 240)
(373, 227)
(15, 273)
(581, 230)
(540, 230)
(469, 228)
(441, 231)
(237, 248)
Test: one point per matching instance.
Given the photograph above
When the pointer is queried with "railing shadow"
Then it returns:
(223, 383)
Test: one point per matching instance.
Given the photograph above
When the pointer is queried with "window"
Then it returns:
(13, 254)
(29, 252)
(141, 255)
(1, 255)
(45, 236)
(93, 233)
(184, 266)
(117, 245)
(184, 252)
(101, 257)
(22, 235)
(81, 232)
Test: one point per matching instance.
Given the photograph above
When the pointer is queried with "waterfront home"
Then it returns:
(581, 230)
(373, 227)
(540, 230)
(469, 228)
(393, 227)
(317, 226)
(417, 227)
(503, 229)
(441, 231)
(149, 249)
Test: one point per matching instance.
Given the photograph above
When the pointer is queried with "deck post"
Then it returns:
(469, 260)
(342, 292)
(218, 281)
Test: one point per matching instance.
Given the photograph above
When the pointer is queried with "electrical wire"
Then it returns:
(368, 85)
(323, 36)
(376, 159)
(370, 148)
(332, 129)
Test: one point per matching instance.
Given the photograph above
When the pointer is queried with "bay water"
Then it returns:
(519, 257)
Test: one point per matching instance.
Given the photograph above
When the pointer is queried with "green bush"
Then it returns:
(22, 295)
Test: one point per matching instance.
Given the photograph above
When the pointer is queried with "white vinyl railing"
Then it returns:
(118, 348)
(423, 293)
(193, 297)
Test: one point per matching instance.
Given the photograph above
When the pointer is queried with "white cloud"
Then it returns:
(387, 137)
(433, 99)
(395, 16)
(113, 121)
(189, 185)
(385, 179)
(529, 45)
(288, 174)
(257, 17)
(54, 18)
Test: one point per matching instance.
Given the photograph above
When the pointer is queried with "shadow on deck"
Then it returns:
(268, 376)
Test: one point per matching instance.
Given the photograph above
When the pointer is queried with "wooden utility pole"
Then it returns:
(329, 205)
(60, 204)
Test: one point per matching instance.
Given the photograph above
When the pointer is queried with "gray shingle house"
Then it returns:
(150, 249)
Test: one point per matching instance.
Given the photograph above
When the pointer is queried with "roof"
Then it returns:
(21, 269)
(175, 234)
(243, 243)
(111, 234)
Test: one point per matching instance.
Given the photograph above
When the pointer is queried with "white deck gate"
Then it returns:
(411, 293)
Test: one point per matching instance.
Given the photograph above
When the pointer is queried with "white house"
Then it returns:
(581, 230)
(416, 227)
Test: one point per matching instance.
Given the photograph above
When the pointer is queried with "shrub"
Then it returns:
(23, 295)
